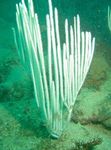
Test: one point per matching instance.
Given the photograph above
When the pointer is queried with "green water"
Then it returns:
(90, 125)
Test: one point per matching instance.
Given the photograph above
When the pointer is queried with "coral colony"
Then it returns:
(56, 86)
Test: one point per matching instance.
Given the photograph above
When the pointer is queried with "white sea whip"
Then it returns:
(68, 63)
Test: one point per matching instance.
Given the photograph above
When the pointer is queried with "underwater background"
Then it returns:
(90, 126)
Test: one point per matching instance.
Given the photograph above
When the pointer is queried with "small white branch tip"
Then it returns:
(71, 61)
(109, 18)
